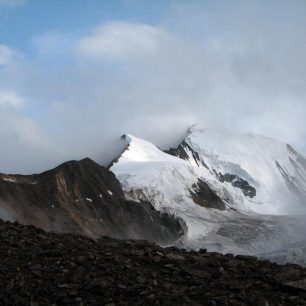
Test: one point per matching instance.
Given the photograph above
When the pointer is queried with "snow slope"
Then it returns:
(274, 169)
(246, 226)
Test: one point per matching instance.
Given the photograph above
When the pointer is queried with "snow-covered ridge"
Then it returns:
(142, 166)
(253, 175)
(276, 171)
(139, 150)
(249, 172)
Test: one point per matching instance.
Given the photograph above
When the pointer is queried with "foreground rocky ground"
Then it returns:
(39, 268)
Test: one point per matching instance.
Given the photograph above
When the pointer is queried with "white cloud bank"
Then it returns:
(238, 67)
(11, 99)
(24, 146)
(121, 40)
(7, 55)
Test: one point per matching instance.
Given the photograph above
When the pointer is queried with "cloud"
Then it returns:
(121, 40)
(7, 55)
(11, 99)
(24, 144)
(236, 67)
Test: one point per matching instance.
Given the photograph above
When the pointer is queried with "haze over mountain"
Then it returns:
(74, 79)
(236, 193)
(84, 73)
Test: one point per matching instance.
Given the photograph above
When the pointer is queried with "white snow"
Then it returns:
(109, 192)
(163, 179)
(89, 200)
(14, 180)
(146, 172)
(254, 158)
(7, 179)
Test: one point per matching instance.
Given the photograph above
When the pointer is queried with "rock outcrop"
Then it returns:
(85, 198)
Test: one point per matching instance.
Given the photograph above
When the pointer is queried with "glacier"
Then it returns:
(261, 183)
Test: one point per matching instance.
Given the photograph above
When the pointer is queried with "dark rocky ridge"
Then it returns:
(85, 198)
(39, 268)
(235, 180)
(238, 182)
(181, 152)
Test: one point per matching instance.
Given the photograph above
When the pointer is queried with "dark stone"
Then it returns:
(112, 272)
(203, 195)
(181, 152)
(238, 182)
(296, 285)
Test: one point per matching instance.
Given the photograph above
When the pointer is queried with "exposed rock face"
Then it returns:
(65, 269)
(238, 182)
(185, 152)
(204, 196)
(85, 198)
(200, 193)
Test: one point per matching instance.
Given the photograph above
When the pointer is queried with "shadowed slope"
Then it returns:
(82, 197)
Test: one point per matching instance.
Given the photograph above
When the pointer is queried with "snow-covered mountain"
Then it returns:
(270, 174)
(234, 192)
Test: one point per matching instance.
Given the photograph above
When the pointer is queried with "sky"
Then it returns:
(76, 75)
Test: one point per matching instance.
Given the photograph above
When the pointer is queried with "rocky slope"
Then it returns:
(85, 198)
(39, 268)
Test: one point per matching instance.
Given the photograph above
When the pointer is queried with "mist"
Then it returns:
(236, 65)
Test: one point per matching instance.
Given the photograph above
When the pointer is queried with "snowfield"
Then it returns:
(265, 225)
(276, 171)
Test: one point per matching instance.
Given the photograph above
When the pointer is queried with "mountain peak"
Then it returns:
(224, 186)
(141, 150)
(266, 174)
